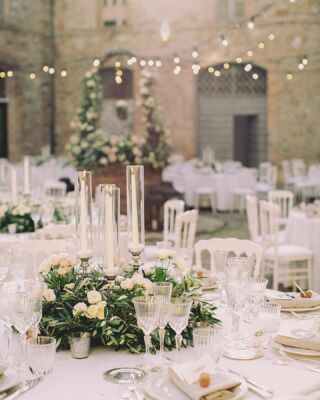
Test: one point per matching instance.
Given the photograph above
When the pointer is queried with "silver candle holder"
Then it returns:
(136, 252)
(84, 265)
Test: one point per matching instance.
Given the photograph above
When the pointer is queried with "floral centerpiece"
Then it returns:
(77, 303)
(90, 148)
(18, 215)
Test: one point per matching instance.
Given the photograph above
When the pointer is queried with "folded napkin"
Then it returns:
(186, 377)
(294, 333)
(297, 302)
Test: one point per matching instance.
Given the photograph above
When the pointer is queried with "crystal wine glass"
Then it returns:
(236, 285)
(147, 310)
(35, 214)
(179, 312)
(256, 290)
(163, 291)
(220, 262)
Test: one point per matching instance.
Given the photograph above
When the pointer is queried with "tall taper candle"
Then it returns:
(83, 217)
(109, 228)
(134, 202)
(26, 175)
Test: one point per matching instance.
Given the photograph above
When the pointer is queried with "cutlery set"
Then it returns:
(16, 390)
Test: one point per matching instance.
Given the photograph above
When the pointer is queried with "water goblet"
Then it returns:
(209, 341)
(35, 214)
(179, 312)
(256, 290)
(163, 291)
(267, 322)
(220, 262)
(40, 355)
(147, 310)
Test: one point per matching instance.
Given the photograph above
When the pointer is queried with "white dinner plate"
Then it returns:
(297, 351)
(8, 379)
(160, 387)
(299, 310)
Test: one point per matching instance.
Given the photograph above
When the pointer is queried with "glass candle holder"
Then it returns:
(135, 212)
(108, 230)
(83, 208)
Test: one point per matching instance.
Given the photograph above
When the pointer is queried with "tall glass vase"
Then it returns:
(108, 230)
(135, 212)
(83, 208)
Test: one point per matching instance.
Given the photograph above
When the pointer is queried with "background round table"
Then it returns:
(305, 231)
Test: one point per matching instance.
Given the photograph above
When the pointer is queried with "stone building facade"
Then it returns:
(71, 34)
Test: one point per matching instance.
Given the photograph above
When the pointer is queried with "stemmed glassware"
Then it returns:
(220, 262)
(147, 310)
(163, 291)
(179, 311)
(35, 214)
(256, 291)
(236, 285)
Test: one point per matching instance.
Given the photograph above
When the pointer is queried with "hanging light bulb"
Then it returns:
(45, 68)
(226, 65)
(255, 76)
(2, 74)
(118, 79)
(248, 67)
(300, 66)
(158, 63)
(305, 60)
(250, 23)
(261, 45)
(51, 70)
(177, 70)
(63, 73)
(210, 70)
(249, 53)
(176, 60)
(32, 75)
(289, 76)
(239, 60)
(10, 74)
(271, 36)
(217, 73)
(224, 41)
(165, 32)
(96, 62)
(195, 53)
(143, 63)
(151, 63)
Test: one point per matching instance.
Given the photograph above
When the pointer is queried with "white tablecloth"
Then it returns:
(83, 379)
(305, 231)
(222, 183)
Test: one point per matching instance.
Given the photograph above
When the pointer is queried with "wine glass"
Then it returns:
(163, 291)
(179, 312)
(220, 261)
(47, 213)
(267, 322)
(209, 341)
(236, 285)
(4, 266)
(256, 290)
(35, 215)
(147, 310)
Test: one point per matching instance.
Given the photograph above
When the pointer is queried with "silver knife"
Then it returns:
(17, 390)
(252, 382)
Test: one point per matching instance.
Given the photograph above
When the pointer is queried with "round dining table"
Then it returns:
(83, 379)
(304, 230)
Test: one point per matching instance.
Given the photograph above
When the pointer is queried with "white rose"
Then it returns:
(103, 161)
(3, 210)
(45, 266)
(90, 83)
(79, 308)
(128, 284)
(88, 74)
(63, 270)
(92, 311)
(137, 279)
(73, 261)
(180, 263)
(148, 285)
(49, 295)
(92, 95)
(94, 296)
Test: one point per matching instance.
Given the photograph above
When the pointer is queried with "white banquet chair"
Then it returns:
(298, 168)
(287, 173)
(232, 246)
(185, 232)
(55, 189)
(264, 171)
(253, 218)
(284, 199)
(204, 189)
(279, 256)
(246, 185)
(172, 208)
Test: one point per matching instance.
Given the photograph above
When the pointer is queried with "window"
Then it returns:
(114, 12)
(111, 90)
(229, 9)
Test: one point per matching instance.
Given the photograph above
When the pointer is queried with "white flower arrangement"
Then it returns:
(61, 262)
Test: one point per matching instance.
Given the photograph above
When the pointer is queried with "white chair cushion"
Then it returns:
(289, 251)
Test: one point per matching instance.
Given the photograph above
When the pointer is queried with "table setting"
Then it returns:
(91, 325)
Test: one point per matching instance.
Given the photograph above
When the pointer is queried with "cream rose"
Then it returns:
(94, 296)
(180, 263)
(63, 270)
(128, 284)
(79, 308)
(92, 311)
(49, 295)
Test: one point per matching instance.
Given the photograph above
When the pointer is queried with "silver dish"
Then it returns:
(125, 375)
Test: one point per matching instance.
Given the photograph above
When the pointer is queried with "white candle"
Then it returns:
(83, 216)
(26, 173)
(14, 184)
(109, 245)
(134, 210)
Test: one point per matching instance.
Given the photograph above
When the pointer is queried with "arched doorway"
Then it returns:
(232, 112)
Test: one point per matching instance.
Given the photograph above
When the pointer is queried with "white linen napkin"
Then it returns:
(186, 377)
(297, 302)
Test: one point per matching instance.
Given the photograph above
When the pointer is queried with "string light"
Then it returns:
(2, 74)
(195, 53)
(249, 53)
(63, 73)
(271, 36)
(248, 67)
(217, 73)
(177, 70)
(96, 62)
(158, 63)
(143, 63)
(305, 60)
(176, 60)
(239, 60)
(151, 63)
(226, 65)
(117, 64)
(51, 71)
(289, 76)
(195, 68)
(210, 70)
(32, 75)
(10, 74)
(300, 66)
(250, 23)
(255, 76)
(224, 41)
(118, 79)
(45, 68)
(261, 45)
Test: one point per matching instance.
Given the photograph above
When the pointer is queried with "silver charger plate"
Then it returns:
(125, 375)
